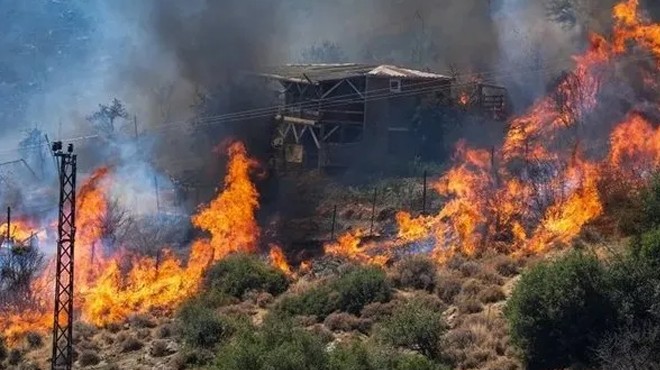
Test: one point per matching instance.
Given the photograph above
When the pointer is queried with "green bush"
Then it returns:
(415, 325)
(371, 356)
(415, 272)
(651, 203)
(319, 301)
(647, 246)
(238, 274)
(202, 326)
(360, 287)
(277, 344)
(559, 311)
(632, 285)
(349, 293)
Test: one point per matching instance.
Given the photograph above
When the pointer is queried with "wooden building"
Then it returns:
(341, 115)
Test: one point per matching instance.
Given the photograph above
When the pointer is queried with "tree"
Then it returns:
(34, 151)
(590, 15)
(325, 52)
(104, 119)
(559, 311)
(18, 269)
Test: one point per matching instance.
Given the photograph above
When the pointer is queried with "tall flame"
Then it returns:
(539, 189)
(111, 285)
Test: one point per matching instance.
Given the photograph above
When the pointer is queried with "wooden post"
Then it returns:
(424, 194)
(157, 195)
(135, 125)
(334, 221)
(373, 212)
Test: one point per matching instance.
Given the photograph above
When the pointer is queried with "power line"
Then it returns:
(374, 95)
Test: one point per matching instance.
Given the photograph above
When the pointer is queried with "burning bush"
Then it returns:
(237, 274)
(19, 269)
(415, 325)
(559, 310)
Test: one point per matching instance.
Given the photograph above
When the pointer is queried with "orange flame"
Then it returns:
(531, 194)
(278, 259)
(109, 288)
(349, 246)
(230, 217)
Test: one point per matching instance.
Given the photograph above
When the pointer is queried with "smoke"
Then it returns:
(172, 61)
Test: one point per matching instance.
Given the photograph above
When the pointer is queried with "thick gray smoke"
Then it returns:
(171, 61)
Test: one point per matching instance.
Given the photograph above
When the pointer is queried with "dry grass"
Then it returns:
(491, 294)
(448, 286)
(88, 358)
(471, 288)
(506, 266)
(159, 348)
(377, 311)
(341, 321)
(469, 306)
(142, 321)
(131, 344)
(480, 341)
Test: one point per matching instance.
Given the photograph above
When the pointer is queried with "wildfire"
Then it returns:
(111, 285)
(538, 189)
(278, 259)
(20, 231)
(230, 217)
(349, 246)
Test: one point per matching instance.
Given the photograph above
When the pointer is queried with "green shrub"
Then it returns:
(237, 274)
(349, 293)
(202, 326)
(559, 311)
(648, 246)
(360, 287)
(414, 325)
(415, 272)
(319, 301)
(632, 285)
(651, 203)
(277, 344)
(370, 356)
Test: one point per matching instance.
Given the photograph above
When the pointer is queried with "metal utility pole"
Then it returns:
(66, 230)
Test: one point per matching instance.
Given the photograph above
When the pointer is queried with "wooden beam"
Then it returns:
(324, 138)
(356, 89)
(316, 140)
(332, 89)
